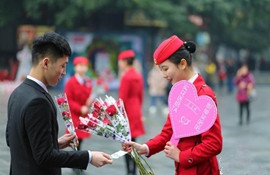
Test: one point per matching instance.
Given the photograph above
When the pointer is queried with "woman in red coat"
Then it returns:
(78, 89)
(195, 155)
(131, 92)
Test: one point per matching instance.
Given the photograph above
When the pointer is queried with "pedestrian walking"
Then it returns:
(244, 81)
(194, 155)
(131, 92)
(210, 71)
(221, 74)
(157, 89)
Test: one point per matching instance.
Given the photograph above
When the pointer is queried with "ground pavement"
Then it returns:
(246, 148)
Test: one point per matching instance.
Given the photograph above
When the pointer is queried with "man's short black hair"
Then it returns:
(50, 45)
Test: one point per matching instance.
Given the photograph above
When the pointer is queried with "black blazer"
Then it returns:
(32, 134)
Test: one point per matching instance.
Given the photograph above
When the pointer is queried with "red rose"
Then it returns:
(66, 114)
(91, 124)
(106, 121)
(82, 126)
(60, 101)
(111, 110)
(95, 114)
(97, 105)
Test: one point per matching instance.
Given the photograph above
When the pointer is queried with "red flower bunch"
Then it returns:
(109, 119)
(62, 103)
(106, 119)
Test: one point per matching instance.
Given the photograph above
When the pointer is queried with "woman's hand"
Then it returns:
(84, 110)
(141, 149)
(172, 151)
(66, 141)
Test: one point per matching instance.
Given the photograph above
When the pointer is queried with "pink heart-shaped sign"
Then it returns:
(190, 114)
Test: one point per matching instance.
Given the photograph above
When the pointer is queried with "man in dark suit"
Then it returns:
(32, 128)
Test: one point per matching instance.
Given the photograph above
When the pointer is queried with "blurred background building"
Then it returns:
(100, 30)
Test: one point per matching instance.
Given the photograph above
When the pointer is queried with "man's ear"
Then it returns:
(45, 61)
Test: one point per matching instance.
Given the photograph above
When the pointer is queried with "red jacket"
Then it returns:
(77, 95)
(198, 153)
(131, 92)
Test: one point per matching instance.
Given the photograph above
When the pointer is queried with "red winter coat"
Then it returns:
(77, 95)
(131, 92)
(198, 153)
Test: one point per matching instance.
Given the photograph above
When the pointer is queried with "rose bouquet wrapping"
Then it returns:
(62, 103)
(108, 118)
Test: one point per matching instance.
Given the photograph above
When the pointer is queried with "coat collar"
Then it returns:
(34, 85)
(39, 88)
(199, 82)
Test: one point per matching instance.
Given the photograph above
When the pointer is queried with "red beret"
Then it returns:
(167, 48)
(126, 54)
(80, 60)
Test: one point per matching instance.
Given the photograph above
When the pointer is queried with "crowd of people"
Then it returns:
(32, 113)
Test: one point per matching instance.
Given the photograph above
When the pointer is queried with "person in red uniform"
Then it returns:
(194, 155)
(78, 89)
(131, 92)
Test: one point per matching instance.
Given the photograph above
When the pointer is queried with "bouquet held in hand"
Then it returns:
(62, 104)
(108, 118)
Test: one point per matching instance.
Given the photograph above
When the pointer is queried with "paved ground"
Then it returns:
(246, 149)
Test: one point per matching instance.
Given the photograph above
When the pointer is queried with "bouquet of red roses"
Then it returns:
(108, 118)
(62, 103)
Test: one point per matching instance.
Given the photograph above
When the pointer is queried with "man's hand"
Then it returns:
(141, 149)
(66, 140)
(172, 151)
(99, 159)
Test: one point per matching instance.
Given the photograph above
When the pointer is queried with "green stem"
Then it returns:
(137, 159)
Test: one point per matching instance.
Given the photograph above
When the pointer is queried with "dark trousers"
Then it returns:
(80, 143)
(242, 106)
(78, 171)
(130, 164)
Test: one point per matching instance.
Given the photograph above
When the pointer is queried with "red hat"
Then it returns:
(167, 48)
(80, 60)
(126, 54)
